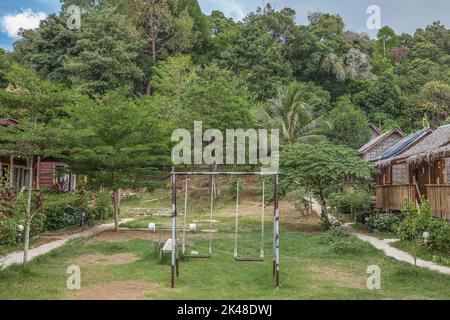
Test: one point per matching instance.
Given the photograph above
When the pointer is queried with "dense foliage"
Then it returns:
(105, 98)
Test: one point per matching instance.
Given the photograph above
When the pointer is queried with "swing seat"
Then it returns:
(239, 259)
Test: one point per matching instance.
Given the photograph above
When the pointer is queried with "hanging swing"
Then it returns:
(236, 234)
(210, 231)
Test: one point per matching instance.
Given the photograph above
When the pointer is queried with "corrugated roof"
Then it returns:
(401, 146)
(380, 138)
(435, 144)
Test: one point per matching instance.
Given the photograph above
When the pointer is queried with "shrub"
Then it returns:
(103, 206)
(354, 202)
(336, 231)
(385, 222)
(299, 198)
(342, 246)
(64, 210)
(233, 188)
(8, 230)
(439, 240)
(415, 221)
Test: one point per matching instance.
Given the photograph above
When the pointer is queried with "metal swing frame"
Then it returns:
(236, 232)
(174, 267)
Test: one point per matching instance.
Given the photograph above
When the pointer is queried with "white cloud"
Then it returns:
(231, 8)
(27, 19)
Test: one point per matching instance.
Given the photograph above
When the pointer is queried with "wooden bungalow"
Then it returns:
(375, 147)
(393, 182)
(47, 172)
(419, 171)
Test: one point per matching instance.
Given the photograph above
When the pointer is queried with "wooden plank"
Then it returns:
(439, 198)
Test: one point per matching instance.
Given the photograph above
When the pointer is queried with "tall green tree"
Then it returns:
(321, 167)
(35, 103)
(251, 51)
(105, 54)
(350, 124)
(119, 139)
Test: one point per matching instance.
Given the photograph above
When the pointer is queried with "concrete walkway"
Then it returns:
(17, 257)
(384, 245)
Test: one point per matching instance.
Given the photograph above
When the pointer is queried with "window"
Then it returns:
(21, 176)
(399, 174)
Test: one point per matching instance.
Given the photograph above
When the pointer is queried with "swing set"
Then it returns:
(237, 257)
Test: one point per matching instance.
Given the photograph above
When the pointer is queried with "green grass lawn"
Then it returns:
(310, 269)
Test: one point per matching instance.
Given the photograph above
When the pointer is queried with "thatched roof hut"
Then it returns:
(435, 145)
(375, 147)
(387, 157)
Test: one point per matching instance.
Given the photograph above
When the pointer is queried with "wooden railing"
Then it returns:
(392, 197)
(439, 198)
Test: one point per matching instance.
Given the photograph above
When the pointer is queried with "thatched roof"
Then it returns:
(400, 147)
(380, 138)
(375, 129)
(434, 145)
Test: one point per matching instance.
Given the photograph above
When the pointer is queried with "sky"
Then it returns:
(402, 15)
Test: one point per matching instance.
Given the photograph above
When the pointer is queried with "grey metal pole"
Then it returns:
(277, 234)
(174, 224)
(274, 258)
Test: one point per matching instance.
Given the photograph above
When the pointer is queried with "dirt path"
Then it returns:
(395, 253)
(17, 257)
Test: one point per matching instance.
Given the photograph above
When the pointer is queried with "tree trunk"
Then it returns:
(323, 205)
(115, 202)
(153, 54)
(38, 173)
(28, 213)
(116, 209)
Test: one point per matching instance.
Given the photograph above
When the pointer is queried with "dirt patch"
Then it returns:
(104, 260)
(118, 290)
(341, 277)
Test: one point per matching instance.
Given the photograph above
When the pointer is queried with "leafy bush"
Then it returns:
(103, 206)
(64, 210)
(415, 221)
(233, 189)
(299, 198)
(342, 246)
(132, 198)
(439, 240)
(15, 216)
(385, 222)
(339, 239)
(336, 231)
(351, 202)
(441, 260)
(9, 227)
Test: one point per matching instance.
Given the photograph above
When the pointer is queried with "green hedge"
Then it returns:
(65, 210)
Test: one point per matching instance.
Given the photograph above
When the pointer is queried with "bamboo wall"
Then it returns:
(439, 197)
(393, 197)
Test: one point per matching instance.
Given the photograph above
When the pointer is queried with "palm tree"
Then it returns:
(294, 117)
